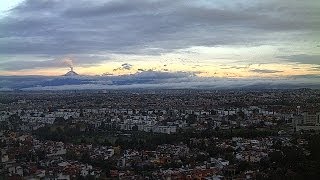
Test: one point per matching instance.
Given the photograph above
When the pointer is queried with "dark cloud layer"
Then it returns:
(124, 66)
(58, 27)
(54, 28)
(265, 71)
(54, 61)
(302, 58)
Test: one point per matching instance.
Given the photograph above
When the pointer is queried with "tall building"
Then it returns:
(311, 118)
(306, 121)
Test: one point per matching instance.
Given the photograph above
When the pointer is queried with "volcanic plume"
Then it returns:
(69, 63)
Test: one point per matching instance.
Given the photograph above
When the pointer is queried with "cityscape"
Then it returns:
(159, 90)
(160, 134)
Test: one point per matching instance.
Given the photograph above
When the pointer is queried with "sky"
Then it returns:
(205, 38)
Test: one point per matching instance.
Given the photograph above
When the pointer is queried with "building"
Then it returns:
(306, 121)
(311, 118)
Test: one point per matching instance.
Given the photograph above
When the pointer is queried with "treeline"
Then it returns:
(138, 139)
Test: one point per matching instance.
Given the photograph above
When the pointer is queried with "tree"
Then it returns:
(276, 156)
(81, 112)
(15, 121)
(59, 120)
(135, 128)
(243, 166)
(241, 114)
(23, 113)
(191, 119)
(85, 158)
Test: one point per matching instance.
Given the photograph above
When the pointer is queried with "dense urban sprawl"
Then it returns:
(162, 134)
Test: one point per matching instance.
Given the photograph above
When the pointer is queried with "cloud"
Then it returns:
(153, 77)
(154, 80)
(68, 62)
(141, 26)
(265, 71)
(302, 58)
(306, 76)
(92, 30)
(125, 66)
(25, 62)
(197, 83)
(151, 74)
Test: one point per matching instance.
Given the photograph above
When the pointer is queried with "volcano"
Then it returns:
(71, 73)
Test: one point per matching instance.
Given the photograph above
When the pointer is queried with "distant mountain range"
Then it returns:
(151, 80)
